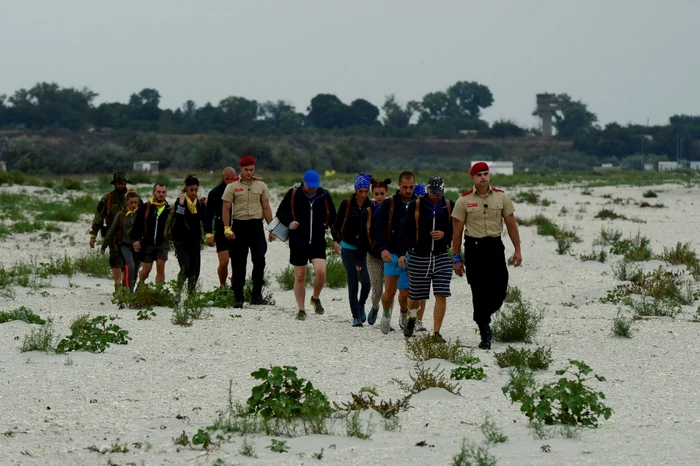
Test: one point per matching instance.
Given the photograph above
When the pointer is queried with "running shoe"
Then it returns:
(438, 338)
(318, 307)
(385, 325)
(372, 317)
(402, 319)
(356, 323)
(410, 326)
(363, 315)
(420, 327)
(301, 315)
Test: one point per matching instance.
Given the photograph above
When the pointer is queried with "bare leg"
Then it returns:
(160, 271)
(145, 271)
(439, 312)
(390, 285)
(300, 286)
(222, 270)
(403, 299)
(117, 276)
(421, 309)
(319, 276)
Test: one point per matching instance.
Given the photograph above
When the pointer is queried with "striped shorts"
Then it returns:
(424, 270)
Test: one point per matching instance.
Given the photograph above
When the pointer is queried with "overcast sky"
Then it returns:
(628, 60)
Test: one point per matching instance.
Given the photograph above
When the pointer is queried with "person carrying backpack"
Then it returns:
(307, 211)
(184, 227)
(426, 233)
(346, 232)
(118, 236)
(148, 234)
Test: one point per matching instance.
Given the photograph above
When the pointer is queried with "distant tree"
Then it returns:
(144, 107)
(281, 115)
(111, 115)
(691, 120)
(239, 113)
(467, 98)
(47, 104)
(506, 129)
(434, 107)
(395, 117)
(327, 111)
(573, 117)
(365, 112)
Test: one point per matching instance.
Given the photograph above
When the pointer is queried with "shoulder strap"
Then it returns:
(348, 206)
(417, 215)
(392, 201)
(368, 226)
(109, 207)
(291, 203)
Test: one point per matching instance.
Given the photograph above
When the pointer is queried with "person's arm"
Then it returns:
(338, 224)
(98, 221)
(514, 235)
(379, 230)
(226, 202)
(110, 233)
(457, 229)
(265, 202)
(137, 228)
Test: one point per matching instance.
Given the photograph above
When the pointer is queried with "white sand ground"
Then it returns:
(51, 411)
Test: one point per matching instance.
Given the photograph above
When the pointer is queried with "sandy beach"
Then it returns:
(170, 378)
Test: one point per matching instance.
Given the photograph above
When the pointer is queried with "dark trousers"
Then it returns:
(487, 274)
(350, 262)
(189, 258)
(250, 235)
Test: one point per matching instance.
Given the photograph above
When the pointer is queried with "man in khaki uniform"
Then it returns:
(251, 203)
(107, 209)
(480, 214)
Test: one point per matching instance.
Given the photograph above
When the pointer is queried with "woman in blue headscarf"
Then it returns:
(346, 231)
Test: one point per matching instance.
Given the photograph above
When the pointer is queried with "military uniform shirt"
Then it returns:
(246, 198)
(483, 216)
(103, 219)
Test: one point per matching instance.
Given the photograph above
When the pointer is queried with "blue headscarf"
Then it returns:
(362, 181)
(419, 190)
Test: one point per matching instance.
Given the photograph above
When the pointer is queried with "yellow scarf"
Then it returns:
(157, 204)
(130, 212)
(191, 205)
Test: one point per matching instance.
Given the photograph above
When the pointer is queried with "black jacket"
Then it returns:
(314, 215)
(380, 225)
(425, 245)
(187, 230)
(350, 231)
(212, 213)
(152, 232)
(364, 243)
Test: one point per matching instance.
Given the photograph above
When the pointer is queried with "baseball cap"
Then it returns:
(312, 179)
(436, 185)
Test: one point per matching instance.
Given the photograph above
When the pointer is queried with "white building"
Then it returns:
(146, 166)
(3, 166)
(668, 166)
(498, 168)
(694, 164)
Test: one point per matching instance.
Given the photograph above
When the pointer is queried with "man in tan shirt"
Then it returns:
(251, 201)
(479, 214)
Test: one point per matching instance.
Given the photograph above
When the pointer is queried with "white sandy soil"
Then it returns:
(50, 411)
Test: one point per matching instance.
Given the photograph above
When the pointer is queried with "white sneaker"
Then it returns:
(403, 318)
(385, 324)
(420, 327)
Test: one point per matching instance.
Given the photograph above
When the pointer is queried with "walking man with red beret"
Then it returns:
(250, 199)
(479, 214)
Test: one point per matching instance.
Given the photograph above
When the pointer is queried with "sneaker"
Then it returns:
(385, 325)
(238, 305)
(402, 319)
(438, 338)
(372, 317)
(420, 327)
(356, 323)
(257, 300)
(363, 315)
(318, 307)
(410, 326)
(301, 315)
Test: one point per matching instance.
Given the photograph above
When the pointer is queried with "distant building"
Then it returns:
(668, 166)
(694, 164)
(498, 168)
(3, 166)
(648, 167)
(146, 167)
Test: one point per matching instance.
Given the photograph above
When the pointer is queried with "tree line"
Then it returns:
(451, 113)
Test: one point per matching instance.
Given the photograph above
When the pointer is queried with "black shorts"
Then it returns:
(155, 252)
(301, 254)
(222, 242)
(116, 261)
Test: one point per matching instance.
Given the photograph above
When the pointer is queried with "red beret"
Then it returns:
(247, 161)
(479, 167)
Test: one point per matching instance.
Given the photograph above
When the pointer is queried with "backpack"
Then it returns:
(170, 225)
(348, 206)
(417, 213)
(328, 209)
(392, 201)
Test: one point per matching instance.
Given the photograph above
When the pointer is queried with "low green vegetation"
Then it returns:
(471, 454)
(517, 322)
(424, 379)
(425, 347)
(41, 338)
(539, 359)
(335, 272)
(650, 193)
(468, 370)
(609, 214)
(93, 334)
(622, 326)
(365, 399)
(545, 227)
(285, 278)
(23, 314)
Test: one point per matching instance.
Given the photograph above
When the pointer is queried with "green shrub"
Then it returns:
(569, 401)
(609, 214)
(335, 272)
(529, 197)
(472, 454)
(680, 254)
(72, 185)
(539, 359)
(468, 370)
(23, 314)
(600, 256)
(517, 322)
(42, 338)
(608, 237)
(491, 432)
(221, 296)
(655, 307)
(513, 294)
(426, 347)
(649, 194)
(94, 335)
(425, 379)
(285, 278)
(365, 400)
(145, 296)
(622, 326)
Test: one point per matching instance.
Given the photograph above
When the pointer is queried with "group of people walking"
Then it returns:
(388, 244)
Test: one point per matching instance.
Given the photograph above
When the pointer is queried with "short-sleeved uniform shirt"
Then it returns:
(483, 215)
(246, 198)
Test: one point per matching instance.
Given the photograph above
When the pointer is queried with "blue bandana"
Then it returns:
(362, 181)
(419, 190)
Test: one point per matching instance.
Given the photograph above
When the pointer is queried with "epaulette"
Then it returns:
(497, 190)
(236, 178)
(466, 193)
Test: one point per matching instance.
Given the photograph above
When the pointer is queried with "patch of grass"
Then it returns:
(473, 454)
(25, 226)
(190, 309)
(600, 256)
(660, 284)
(636, 248)
(146, 296)
(72, 185)
(680, 254)
(366, 400)
(653, 206)
(649, 193)
(285, 278)
(492, 432)
(335, 272)
(608, 237)
(609, 214)
(354, 427)
(424, 379)
(23, 314)
(517, 322)
(539, 359)
(513, 294)
(248, 448)
(221, 297)
(42, 338)
(546, 227)
(529, 197)
(622, 326)
(627, 271)
(655, 307)
(426, 347)
(278, 446)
